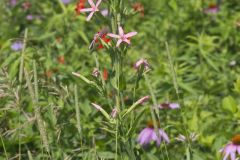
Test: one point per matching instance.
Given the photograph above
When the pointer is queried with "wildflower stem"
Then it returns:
(175, 83)
(62, 6)
(156, 111)
(77, 111)
(34, 98)
(4, 148)
(22, 56)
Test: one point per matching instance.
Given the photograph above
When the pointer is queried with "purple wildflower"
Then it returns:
(148, 134)
(104, 12)
(13, 2)
(29, 17)
(141, 62)
(66, 1)
(232, 148)
(121, 36)
(169, 106)
(16, 46)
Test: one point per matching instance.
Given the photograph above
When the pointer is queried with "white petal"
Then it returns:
(91, 3)
(119, 42)
(90, 16)
(98, 2)
(120, 30)
(113, 35)
(130, 34)
(86, 10)
(127, 41)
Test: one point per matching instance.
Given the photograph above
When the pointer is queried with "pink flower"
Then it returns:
(93, 9)
(141, 62)
(212, 9)
(148, 134)
(114, 112)
(95, 72)
(143, 99)
(122, 37)
(104, 12)
(96, 106)
(169, 106)
(232, 148)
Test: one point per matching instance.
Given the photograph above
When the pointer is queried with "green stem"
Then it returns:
(4, 148)
(175, 83)
(156, 110)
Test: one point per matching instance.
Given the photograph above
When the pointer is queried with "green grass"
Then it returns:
(46, 111)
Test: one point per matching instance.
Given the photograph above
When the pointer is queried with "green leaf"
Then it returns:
(229, 104)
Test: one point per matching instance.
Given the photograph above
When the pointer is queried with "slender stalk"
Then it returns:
(22, 56)
(175, 83)
(4, 148)
(77, 110)
(156, 110)
(34, 96)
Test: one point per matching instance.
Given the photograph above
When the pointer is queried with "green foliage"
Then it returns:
(46, 111)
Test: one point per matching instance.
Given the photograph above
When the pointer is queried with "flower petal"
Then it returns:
(98, 2)
(238, 149)
(174, 105)
(228, 150)
(113, 35)
(145, 136)
(156, 138)
(120, 30)
(233, 156)
(119, 42)
(91, 3)
(127, 41)
(86, 10)
(96, 106)
(90, 16)
(164, 136)
(130, 34)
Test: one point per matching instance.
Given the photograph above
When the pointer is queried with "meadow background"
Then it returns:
(46, 111)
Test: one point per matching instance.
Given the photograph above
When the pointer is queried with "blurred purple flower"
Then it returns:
(66, 1)
(121, 36)
(13, 2)
(232, 148)
(30, 17)
(16, 46)
(104, 12)
(169, 106)
(141, 62)
(95, 72)
(148, 134)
